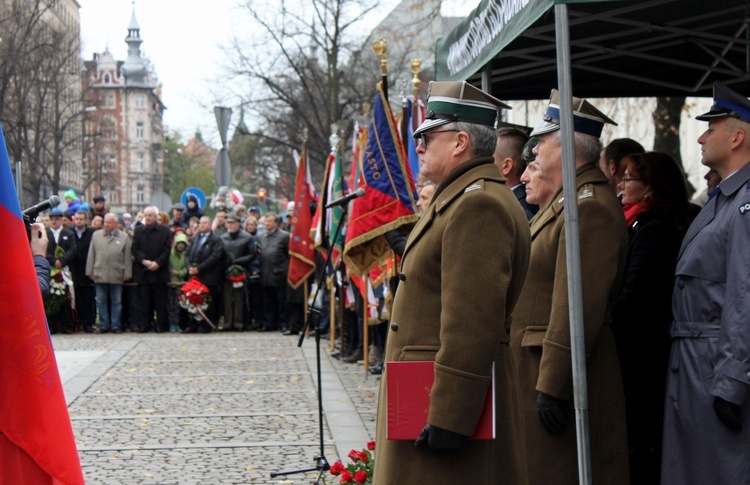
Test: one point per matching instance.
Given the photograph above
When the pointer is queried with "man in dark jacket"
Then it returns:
(60, 253)
(274, 266)
(84, 287)
(205, 255)
(152, 243)
(239, 250)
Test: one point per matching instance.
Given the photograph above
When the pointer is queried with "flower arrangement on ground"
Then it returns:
(360, 470)
(237, 276)
(195, 298)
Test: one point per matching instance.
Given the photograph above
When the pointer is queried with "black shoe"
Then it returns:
(290, 332)
(263, 329)
(352, 358)
(117, 331)
(104, 330)
(189, 330)
(144, 330)
(376, 369)
(335, 354)
(88, 329)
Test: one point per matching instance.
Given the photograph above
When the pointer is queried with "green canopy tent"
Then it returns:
(618, 48)
(517, 49)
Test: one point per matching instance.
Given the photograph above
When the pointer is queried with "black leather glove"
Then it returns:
(440, 439)
(551, 412)
(728, 413)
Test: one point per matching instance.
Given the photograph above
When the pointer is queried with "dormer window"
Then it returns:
(106, 79)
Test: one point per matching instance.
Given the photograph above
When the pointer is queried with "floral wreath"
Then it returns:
(237, 276)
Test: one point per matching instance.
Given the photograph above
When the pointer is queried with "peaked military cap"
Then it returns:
(727, 102)
(586, 118)
(527, 154)
(448, 102)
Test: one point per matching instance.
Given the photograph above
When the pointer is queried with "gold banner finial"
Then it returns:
(415, 65)
(380, 48)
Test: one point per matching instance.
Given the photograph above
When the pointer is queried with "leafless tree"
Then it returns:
(40, 93)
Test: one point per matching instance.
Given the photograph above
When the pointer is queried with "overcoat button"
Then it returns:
(402, 276)
(394, 326)
(680, 283)
(748, 375)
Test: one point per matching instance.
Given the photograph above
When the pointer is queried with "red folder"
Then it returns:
(408, 401)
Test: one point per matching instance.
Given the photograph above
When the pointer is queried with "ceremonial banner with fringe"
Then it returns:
(301, 245)
(36, 438)
(390, 198)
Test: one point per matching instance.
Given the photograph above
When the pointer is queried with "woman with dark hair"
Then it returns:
(655, 202)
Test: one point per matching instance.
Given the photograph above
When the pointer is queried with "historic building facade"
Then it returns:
(124, 149)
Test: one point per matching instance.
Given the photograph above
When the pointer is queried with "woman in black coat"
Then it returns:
(655, 203)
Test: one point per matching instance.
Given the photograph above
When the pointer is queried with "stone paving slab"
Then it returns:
(216, 408)
(195, 403)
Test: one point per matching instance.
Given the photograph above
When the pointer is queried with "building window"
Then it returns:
(106, 79)
(109, 101)
(140, 132)
(112, 160)
(140, 195)
(141, 161)
(140, 101)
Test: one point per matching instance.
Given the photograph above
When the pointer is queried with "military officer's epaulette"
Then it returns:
(586, 191)
(478, 185)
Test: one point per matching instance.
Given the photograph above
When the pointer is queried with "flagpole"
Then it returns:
(366, 327)
(380, 48)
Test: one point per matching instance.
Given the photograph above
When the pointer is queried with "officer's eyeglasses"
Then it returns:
(423, 137)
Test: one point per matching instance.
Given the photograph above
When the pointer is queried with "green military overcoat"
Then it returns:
(540, 336)
(463, 268)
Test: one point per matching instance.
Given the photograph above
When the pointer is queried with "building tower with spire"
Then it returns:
(124, 148)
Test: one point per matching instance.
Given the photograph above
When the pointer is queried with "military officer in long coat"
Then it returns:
(462, 270)
(540, 336)
(707, 411)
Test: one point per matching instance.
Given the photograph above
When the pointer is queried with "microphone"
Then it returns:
(345, 199)
(34, 211)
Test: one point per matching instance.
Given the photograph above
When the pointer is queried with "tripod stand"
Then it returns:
(313, 318)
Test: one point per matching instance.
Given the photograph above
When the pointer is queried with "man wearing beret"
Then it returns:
(462, 271)
(540, 335)
(707, 412)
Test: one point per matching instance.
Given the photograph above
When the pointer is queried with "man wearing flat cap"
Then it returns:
(462, 271)
(707, 412)
(540, 333)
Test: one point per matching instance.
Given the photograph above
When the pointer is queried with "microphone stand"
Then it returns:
(313, 318)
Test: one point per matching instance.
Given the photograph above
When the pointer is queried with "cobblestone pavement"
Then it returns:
(203, 409)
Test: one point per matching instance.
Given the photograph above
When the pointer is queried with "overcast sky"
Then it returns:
(183, 39)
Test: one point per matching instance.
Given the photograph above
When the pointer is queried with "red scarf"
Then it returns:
(632, 211)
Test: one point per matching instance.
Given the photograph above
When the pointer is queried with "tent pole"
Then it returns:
(573, 251)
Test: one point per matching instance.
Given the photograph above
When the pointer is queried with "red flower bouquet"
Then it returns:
(360, 470)
(195, 299)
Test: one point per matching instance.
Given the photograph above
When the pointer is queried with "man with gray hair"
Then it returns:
(152, 243)
(109, 265)
(462, 271)
(540, 331)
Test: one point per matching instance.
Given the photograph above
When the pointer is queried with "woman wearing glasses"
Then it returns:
(655, 202)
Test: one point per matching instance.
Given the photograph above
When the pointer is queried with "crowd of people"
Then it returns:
(121, 273)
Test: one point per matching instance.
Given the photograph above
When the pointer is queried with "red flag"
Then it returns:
(301, 245)
(36, 437)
